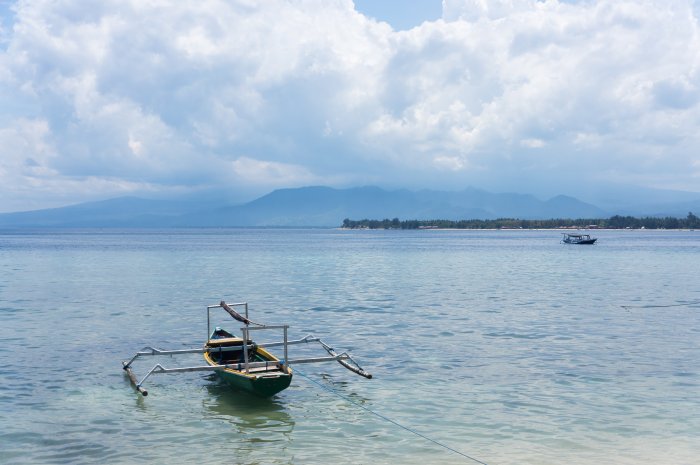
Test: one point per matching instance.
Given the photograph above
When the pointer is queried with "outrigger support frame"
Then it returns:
(343, 358)
(158, 368)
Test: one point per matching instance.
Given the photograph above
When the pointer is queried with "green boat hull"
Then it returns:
(263, 387)
(269, 382)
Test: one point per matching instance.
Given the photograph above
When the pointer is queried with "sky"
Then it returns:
(154, 98)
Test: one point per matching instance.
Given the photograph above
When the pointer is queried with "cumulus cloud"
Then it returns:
(269, 174)
(474, 10)
(134, 96)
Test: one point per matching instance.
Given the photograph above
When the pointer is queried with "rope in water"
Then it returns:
(687, 304)
(383, 417)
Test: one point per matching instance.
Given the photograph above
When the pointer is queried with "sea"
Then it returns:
(493, 347)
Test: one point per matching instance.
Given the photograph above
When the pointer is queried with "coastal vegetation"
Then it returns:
(614, 222)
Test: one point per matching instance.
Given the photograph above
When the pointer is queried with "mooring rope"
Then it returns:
(687, 304)
(383, 417)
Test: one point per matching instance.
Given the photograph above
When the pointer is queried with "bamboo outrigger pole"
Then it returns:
(133, 379)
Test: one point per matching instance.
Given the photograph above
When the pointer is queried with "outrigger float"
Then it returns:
(246, 366)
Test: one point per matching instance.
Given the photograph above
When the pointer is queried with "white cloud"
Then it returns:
(269, 174)
(449, 163)
(29, 181)
(474, 10)
(27, 149)
(161, 95)
(533, 143)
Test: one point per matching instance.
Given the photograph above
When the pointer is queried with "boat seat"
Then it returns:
(265, 369)
(226, 342)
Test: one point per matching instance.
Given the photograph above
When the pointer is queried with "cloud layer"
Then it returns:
(117, 97)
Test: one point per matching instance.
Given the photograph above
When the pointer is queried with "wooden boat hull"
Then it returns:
(582, 242)
(264, 383)
(263, 387)
(578, 239)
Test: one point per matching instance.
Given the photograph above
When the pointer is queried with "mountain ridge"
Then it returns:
(317, 206)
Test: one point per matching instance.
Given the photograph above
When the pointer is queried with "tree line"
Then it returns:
(614, 222)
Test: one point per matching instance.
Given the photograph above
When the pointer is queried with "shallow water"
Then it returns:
(505, 345)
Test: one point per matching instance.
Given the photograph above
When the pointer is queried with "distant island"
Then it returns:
(614, 222)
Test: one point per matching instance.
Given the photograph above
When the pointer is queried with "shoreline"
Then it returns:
(562, 229)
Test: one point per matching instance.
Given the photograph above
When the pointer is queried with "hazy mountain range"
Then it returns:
(327, 207)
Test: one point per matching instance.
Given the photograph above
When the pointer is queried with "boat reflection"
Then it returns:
(255, 419)
(256, 423)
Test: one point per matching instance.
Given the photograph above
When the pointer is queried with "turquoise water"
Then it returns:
(505, 345)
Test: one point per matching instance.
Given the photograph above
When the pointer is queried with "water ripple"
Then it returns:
(505, 345)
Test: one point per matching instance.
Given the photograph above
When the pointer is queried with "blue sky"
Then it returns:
(112, 98)
(401, 14)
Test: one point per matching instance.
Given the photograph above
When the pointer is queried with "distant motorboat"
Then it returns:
(578, 239)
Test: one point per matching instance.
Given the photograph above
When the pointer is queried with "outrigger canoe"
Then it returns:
(246, 366)
(266, 374)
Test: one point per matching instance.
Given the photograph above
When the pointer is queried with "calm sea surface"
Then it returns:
(505, 345)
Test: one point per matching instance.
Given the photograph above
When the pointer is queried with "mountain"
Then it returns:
(120, 212)
(635, 200)
(307, 206)
(324, 206)
(676, 209)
